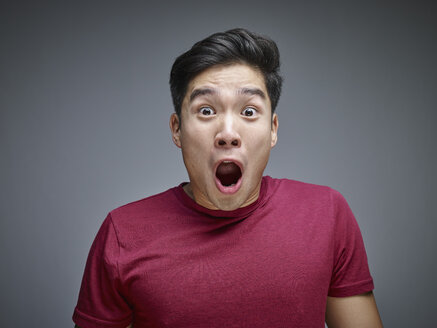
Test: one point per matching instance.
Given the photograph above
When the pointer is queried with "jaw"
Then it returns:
(208, 191)
(241, 193)
(212, 198)
(247, 193)
(242, 198)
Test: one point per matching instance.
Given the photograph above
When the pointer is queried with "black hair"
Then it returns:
(233, 46)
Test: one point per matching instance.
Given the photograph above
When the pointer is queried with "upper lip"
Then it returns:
(233, 160)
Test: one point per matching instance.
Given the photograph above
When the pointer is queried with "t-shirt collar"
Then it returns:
(237, 213)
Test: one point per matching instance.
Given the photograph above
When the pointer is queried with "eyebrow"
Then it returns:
(202, 92)
(208, 91)
(252, 92)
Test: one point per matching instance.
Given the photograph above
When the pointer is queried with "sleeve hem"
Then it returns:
(351, 290)
(86, 321)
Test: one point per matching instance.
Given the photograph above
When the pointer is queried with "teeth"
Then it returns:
(227, 162)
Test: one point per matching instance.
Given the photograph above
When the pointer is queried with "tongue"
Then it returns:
(228, 173)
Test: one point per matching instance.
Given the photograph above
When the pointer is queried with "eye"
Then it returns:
(249, 111)
(206, 111)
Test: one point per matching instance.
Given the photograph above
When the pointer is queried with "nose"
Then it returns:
(227, 135)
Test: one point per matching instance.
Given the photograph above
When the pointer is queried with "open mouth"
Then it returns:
(228, 176)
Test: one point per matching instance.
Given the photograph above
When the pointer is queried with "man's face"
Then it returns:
(226, 135)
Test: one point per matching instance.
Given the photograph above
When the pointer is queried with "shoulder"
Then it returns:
(303, 191)
(306, 197)
(144, 218)
(141, 211)
(145, 205)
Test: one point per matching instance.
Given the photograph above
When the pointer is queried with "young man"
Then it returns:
(231, 248)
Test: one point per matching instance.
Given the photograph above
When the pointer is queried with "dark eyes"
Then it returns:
(249, 111)
(206, 111)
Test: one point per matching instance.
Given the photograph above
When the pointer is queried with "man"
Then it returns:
(231, 248)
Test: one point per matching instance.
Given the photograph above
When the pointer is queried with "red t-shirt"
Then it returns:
(165, 261)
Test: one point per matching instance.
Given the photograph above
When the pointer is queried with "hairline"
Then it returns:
(227, 63)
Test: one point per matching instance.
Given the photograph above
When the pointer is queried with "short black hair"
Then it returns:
(233, 46)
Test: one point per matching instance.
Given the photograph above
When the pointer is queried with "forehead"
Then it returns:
(232, 76)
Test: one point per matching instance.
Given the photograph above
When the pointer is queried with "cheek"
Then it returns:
(196, 146)
(192, 137)
(259, 138)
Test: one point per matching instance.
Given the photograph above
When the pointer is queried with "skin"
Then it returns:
(216, 125)
(358, 311)
(226, 132)
(226, 114)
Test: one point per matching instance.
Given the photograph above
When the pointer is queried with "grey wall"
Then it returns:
(84, 128)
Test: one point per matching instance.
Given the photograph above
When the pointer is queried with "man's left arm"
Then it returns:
(357, 311)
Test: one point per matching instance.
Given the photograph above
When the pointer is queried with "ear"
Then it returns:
(274, 132)
(175, 128)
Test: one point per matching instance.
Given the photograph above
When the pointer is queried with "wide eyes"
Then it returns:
(206, 111)
(249, 112)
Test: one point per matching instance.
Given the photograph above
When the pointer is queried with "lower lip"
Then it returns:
(230, 189)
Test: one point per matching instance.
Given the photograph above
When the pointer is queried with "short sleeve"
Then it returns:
(101, 302)
(351, 275)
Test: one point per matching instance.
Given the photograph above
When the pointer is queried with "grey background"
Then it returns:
(84, 128)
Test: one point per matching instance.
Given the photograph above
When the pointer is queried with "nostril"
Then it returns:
(223, 142)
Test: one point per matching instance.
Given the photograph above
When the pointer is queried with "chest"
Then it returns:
(255, 272)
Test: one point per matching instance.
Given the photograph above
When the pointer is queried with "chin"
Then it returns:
(227, 206)
(228, 202)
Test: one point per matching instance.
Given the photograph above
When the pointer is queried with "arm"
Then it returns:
(358, 311)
